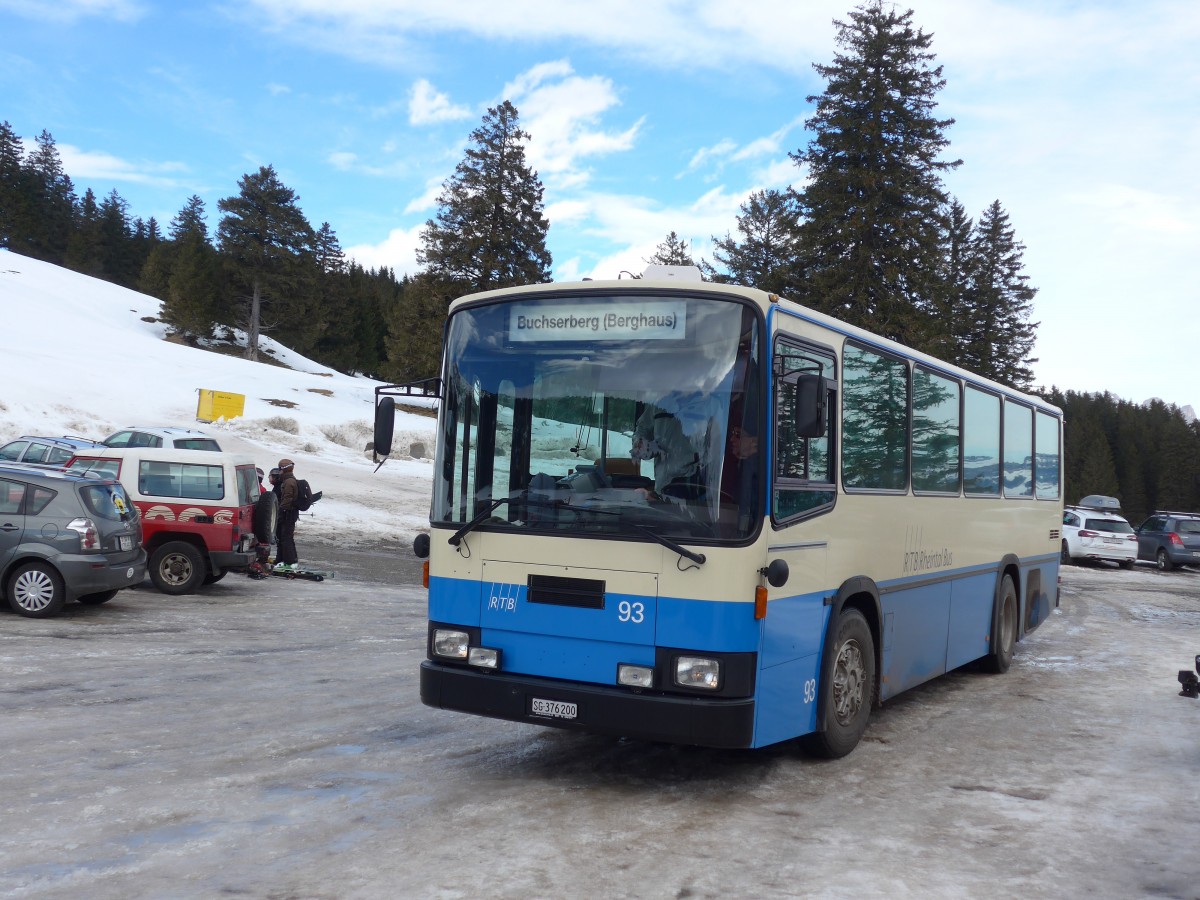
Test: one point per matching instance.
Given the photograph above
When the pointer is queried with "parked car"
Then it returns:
(65, 537)
(45, 451)
(203, 512)
(1094, 529)
(1170, 539)
(153, 436)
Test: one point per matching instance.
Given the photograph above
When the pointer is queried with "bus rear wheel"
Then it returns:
(1005, 637)
(847, 688)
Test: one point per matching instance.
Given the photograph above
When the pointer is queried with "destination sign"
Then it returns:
(662, 320)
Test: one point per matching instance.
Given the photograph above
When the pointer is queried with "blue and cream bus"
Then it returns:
(703, 514)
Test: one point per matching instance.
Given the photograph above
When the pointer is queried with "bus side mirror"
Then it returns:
(421, 546)
(385, 424)
(811, 393)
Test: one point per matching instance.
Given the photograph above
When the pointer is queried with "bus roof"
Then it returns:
(764, 300)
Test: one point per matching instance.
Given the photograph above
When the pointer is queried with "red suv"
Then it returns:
(203, 512)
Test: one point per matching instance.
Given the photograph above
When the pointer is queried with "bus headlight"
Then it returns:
(697, 672)
(484, 657)
(635, 676)
(450, 644)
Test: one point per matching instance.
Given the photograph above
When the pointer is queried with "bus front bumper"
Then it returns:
(599, 710)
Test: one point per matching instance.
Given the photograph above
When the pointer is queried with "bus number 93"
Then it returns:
(631, 612)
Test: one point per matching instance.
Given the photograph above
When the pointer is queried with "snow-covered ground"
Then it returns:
(85, 357)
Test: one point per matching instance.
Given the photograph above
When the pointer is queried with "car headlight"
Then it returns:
(697, 672)
(484, 657)
(451, 644)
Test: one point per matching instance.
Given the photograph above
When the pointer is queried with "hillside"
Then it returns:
(85, 357)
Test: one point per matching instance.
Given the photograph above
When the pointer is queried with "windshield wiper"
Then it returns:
(485, 514)
(456, 538)
(698, 558)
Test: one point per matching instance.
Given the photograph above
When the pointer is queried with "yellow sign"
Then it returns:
(215, 405)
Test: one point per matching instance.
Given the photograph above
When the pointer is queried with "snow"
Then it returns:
(85, 357)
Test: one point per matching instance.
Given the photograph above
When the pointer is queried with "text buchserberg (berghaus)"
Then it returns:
(598, 324)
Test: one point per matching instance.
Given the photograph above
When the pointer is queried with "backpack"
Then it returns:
(304, 495)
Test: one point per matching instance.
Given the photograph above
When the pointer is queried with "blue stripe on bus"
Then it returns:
(586, 645)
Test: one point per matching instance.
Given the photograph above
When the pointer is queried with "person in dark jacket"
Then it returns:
(288, 515)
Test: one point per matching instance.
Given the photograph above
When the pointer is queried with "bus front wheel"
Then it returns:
(847, 688)
(1005, 638)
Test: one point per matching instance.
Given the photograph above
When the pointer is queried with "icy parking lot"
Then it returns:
(265, 739)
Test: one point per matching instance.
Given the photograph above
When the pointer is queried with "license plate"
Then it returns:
(125, 542)
(555, 709)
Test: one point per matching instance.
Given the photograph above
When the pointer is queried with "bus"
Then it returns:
(703, 514)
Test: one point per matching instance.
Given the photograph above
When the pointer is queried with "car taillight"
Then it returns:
(89, 538)
(1175, 539)
(1131, 537)
(1086, 533)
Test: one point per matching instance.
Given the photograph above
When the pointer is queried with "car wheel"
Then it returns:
(1066, 554)
(266, 515)
(1163, 561)
(847, 688)
(177, 568)
(1005, 639)
(36, 590)
(98, 598)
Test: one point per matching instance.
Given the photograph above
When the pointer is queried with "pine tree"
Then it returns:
(874, 203)
(1096, 473)
(993, 333)
(765, 253)
(267, 242)
(956, 280)
(187, 274)
(415, 323)
(53, 202)
(673, 251)
(116, 241)
(13, 198)
(489, 231)
(85, 252)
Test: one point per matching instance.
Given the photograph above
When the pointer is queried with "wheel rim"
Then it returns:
(34, 590)
(1008, 622)
(175, 569)
(1162, 559)
(849, 682)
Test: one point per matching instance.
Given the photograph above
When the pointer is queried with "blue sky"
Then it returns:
(1081, 118)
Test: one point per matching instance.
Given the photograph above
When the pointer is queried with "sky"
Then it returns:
(1081, 118)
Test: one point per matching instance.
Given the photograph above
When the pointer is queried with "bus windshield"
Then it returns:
(606, 415)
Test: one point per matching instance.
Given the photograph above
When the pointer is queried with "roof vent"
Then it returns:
(679, 273)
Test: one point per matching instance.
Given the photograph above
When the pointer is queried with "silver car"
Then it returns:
(65, 536)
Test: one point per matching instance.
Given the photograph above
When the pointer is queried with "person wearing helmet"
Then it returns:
(287, 560)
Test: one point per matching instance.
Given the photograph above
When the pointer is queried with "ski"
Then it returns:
(259, 572)
(305, 574)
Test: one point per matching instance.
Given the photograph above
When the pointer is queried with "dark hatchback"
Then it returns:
(1170, 539)
(65, 536)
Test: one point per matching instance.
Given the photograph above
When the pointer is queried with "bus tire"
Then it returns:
(847, 687)
(1005, 638)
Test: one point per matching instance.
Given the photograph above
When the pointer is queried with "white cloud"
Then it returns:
(561, 111)
(398, 251)
(427, 200)
(428, 106)
(91, 165)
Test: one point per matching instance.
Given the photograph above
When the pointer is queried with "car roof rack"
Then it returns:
(1101, 503)
(1170, 512)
